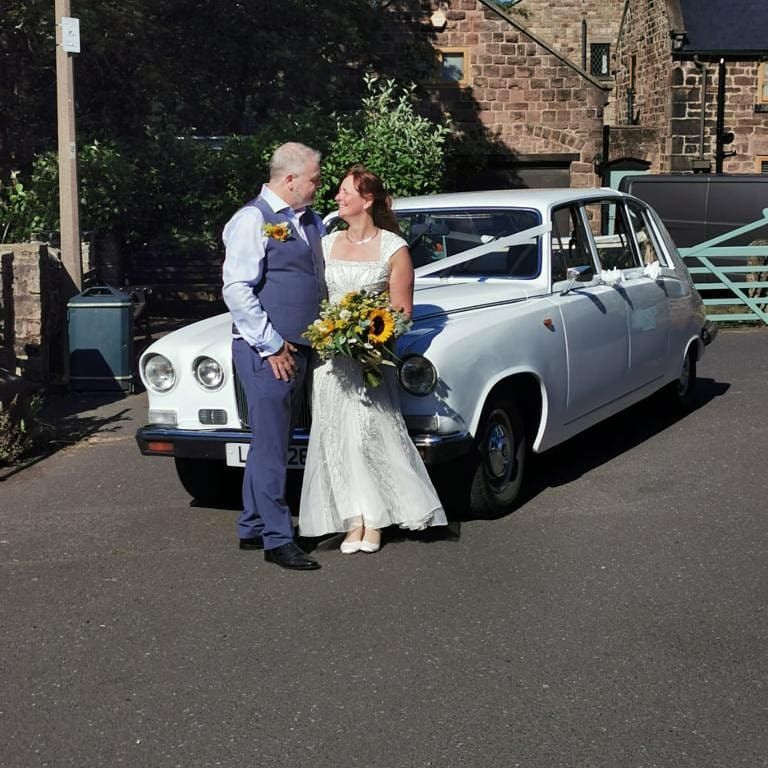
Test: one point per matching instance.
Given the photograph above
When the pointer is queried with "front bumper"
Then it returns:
(157, 440)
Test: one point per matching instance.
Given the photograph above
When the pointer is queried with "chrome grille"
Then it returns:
(302, 412)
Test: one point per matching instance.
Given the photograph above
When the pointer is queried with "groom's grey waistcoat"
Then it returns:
(293, 280)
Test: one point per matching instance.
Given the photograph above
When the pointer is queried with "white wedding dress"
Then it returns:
(361, 468)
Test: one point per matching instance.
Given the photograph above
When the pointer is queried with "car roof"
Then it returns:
(503, 198)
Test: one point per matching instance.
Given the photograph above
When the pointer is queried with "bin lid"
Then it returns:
(101, 296)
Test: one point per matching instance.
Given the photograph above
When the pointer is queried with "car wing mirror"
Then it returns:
(581, 274)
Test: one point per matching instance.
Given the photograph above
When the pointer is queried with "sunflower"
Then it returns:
(382, 326)
(280, 231)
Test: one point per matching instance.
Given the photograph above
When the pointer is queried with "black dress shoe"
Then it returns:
(255, 543)
(290, 555)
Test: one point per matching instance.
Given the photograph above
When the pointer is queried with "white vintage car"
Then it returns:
(538, 313)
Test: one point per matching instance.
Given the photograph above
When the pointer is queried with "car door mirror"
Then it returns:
(580, 274)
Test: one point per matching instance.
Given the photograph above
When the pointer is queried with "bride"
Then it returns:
(362, 472)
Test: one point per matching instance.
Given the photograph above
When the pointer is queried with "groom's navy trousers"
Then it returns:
(265, 511)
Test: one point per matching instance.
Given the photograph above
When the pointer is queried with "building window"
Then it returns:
(761, 164)
(599, 59)
(762, 83)
(453, 65)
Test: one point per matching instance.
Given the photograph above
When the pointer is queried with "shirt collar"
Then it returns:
(277, 204)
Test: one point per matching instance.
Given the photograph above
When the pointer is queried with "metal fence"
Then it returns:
(733, 280)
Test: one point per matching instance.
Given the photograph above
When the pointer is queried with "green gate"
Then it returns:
(741, 271)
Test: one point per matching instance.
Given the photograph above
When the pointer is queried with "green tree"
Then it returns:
(388, 135)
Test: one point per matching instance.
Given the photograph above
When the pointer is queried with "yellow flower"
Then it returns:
(280, 232)
(382, 326)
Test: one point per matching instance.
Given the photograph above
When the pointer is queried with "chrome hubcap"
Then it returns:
(499, 451)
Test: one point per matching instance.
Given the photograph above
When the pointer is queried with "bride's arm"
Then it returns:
(401, 280)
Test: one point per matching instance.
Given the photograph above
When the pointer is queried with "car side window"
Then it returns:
(650, 248)
(570, 246)
(612, 235)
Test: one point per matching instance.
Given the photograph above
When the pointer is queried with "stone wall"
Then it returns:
(667, 96)
(521, 97)
(33, 312)
(560, 24)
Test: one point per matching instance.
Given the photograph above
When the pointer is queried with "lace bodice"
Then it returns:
(343, 276)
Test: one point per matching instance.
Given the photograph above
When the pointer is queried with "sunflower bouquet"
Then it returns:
(362, 325)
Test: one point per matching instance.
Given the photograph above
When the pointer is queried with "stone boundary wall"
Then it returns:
(33, 312)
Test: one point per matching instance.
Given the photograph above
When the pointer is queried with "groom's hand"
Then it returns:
(282, 362)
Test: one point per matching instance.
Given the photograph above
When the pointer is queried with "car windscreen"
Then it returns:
(435, 235)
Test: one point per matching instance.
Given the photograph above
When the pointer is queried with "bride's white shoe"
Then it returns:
(366, 545)
(350, 547)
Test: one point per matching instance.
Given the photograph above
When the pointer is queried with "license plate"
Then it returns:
(237, 453)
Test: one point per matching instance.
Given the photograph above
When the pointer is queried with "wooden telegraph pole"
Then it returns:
(67, 43)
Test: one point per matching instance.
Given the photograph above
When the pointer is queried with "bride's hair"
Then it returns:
(368, 183)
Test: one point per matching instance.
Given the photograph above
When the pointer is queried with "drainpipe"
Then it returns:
(701, 164)
(584, 44)
(722, 136)
(703, 91)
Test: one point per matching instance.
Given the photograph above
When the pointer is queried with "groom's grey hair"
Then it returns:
(291, 157)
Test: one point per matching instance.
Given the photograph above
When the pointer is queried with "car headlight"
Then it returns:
(159, 373)
(417, 375)
(208, 372)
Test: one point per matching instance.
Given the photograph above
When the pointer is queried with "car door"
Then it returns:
(648, 291)
(594, 318)
(626, 248)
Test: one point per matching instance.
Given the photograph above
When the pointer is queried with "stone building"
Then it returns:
(672, 57)
(530, 115)
(580, 91)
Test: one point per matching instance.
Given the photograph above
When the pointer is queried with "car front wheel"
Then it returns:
(503, 451)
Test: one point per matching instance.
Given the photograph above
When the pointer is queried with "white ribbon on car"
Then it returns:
(652, 270)
(519, 238)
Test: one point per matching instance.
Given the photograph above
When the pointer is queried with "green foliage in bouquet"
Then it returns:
(362, 326)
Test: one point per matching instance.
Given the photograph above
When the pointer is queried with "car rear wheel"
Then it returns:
(210, 483)
(683, 391)
(503, 452)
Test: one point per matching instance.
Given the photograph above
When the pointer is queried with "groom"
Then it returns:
(273, 284)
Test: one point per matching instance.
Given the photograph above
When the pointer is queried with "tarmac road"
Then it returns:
(618, 618)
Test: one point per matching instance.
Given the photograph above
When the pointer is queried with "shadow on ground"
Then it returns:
(584, 452)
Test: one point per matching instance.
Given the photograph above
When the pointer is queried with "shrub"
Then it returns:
(20, 429)
(177, 192)
(387, 135)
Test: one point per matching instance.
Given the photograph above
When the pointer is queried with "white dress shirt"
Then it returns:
(245, 244)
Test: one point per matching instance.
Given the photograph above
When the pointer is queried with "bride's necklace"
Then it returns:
(363, 241)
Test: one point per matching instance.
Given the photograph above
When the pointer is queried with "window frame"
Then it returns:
(448, 49)
(627, 233)
(657, 245)
(592, 47)
(762, 83)
(759, 160)
(586, 246)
